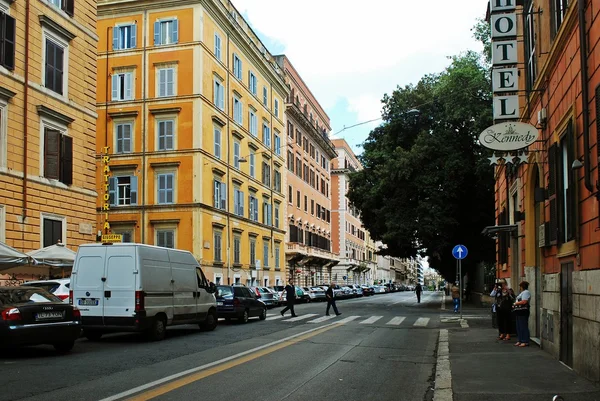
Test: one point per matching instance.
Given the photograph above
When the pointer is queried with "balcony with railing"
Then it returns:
(310, 251)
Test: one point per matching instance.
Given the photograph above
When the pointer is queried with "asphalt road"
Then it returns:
(381, 347)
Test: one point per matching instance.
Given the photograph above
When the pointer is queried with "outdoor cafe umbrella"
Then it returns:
(53, 256)
(10, 257)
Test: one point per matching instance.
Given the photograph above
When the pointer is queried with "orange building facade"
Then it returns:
(190, 132)
(309, 152)
(47, 124)
(547, 208)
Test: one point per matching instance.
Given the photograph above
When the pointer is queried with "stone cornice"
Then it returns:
(325, 143)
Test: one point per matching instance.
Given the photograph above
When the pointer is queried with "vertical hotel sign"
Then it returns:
(106, 185)
(505, 84)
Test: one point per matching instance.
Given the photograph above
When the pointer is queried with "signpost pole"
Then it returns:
(461, 286)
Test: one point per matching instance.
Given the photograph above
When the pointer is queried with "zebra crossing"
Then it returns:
(363, 320)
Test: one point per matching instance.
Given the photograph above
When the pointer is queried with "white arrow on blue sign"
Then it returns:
(460, 252)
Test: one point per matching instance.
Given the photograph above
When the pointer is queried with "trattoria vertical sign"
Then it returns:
(106, 188)
(505, 83)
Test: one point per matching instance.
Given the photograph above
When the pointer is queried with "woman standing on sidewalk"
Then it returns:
(504, 299)
(521, 310)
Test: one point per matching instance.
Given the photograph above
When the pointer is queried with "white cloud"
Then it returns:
(357, 51)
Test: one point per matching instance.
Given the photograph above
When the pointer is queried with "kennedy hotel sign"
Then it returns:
(505, 83)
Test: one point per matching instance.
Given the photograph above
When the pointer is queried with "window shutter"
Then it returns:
(133, 37)
(174, 32)
(126, 138)
(170, 187)
(241, 203)
(223, 196)
(169, 134)
(157, 33)
(66, 160)
(170, 239)
(216, 196)
(170, 87)
(7, 39)
(116, 32)
(115, 87)
(133, 187)
(51, 154)
(250, 207)
(552, 178)
(571, 206)
(162, 82)
(128, 85)
(68, 6)
(112, 191)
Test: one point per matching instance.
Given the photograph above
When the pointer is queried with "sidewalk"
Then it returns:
(483, 368)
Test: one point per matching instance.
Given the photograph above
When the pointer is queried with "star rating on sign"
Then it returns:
(508, 158)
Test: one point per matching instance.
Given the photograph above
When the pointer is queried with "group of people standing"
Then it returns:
(506, 305)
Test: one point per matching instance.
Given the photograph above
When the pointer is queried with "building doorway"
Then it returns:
(566, 313)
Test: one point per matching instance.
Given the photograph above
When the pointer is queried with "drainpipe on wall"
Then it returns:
(583, 53)
(144, 66)
(25, 118)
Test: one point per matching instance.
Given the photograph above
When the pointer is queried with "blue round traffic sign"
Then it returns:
(460, 252)
(345, 278)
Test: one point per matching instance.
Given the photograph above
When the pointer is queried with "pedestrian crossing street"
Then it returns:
(363, 320)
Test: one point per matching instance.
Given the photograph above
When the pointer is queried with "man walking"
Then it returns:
(290, 295)
(418, 290)
(330, 295)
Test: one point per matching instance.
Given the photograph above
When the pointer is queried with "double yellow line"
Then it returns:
(184, 381)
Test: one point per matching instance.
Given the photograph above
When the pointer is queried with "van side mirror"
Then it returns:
(212, 288)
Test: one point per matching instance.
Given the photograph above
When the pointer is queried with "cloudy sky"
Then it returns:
(350, 52)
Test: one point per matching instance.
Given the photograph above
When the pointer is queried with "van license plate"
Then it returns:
(219, 303)
(88, 302)
(48, 315)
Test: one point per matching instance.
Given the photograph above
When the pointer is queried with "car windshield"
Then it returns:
(316, 288)
(224, 291)
(22, 295)
(264, 291)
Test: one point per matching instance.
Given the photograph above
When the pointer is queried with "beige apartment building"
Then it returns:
(47, 123)
(309, 255)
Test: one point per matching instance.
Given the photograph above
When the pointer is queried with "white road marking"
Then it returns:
(421, 322)
(397, 321)
(321, 319)
(348, 319)
(371, 320)
(175, 376)
(301, 317)
(274, 317)
(443, 372)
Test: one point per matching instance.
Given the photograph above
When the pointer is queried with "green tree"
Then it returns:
(426, 184)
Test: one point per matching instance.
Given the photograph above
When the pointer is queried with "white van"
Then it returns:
(135, 287)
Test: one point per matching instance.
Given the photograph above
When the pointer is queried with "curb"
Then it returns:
(443, 374)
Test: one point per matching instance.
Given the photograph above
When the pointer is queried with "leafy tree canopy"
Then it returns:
(426, 184)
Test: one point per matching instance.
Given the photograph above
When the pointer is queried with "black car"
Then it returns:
(239, 302)
(33, 316)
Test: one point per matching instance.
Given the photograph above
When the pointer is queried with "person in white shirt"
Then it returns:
(521, 310)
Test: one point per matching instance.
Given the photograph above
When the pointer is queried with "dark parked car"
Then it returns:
(33, 316)
(239, 302)
(368, 290)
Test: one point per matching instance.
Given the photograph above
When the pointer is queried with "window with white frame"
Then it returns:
(277, 144)
(57, 153)
(252, 166)
(252, 252)
(266, 137)
(265, 97)
(277, 181)
(123, 137)
(7, 38)
(166, 134)
(166, 32)
(237, 146)
(253, 207)
(237, 67)
(123, 190)
(277, 251)
(219, 94)
(237, 110)
(166, 82)
(237, 249)
(217, 244)
(267, 212)
(265, 253)
(266, 174)
(219, 194)
(66, 5)
(217, 142)
(252, 83)
(125, 231)
(165, 188)
(56, 59)
(276, 108)
(165, 238)
(218, 46)
(122, 86)
(53, 229)
(276, 215)
(253, 123)
(238, 202)
(124, 36)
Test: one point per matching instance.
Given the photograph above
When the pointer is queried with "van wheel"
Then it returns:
(158, 330)
(92, 335)
(210, 323)
(263, 314)
(64, 346)
(245, 316)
